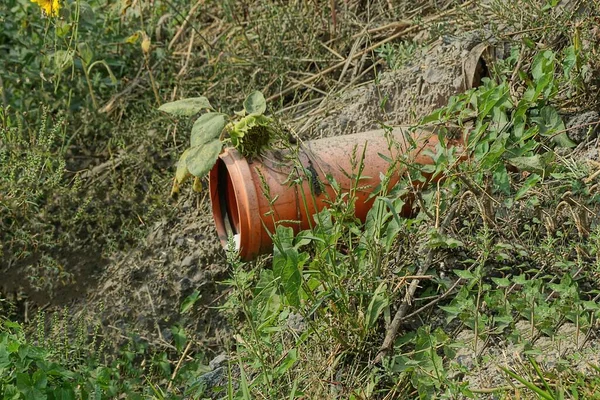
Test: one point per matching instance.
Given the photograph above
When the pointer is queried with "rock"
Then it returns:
(296, 322)
(213, 379)
(218, 361)
(583, 127)
(188, 261)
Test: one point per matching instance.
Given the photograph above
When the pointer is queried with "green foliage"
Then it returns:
(72, 365)
(77, 183)
(58, 197)
(330, 291)
(186, 107)
(75, 62)
(397, 56)
(32, 172)
(251, 133)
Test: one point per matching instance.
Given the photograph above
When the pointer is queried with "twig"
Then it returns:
(186, 21)
(392, 331)
(188, 56)
(392, 25)
(546, 138)
(435, 301)
(187, 348)
(108, 107)
(160, 335)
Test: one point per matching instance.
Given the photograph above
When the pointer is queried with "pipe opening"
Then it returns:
(229, 219)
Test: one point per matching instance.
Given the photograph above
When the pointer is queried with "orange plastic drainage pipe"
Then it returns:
(237, 186)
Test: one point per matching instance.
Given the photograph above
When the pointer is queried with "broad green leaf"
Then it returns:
(433, 117)
(179, 336)
(4, 357)
(569, 61)
(287, 363)
(563, 140)
(290, 275)
(255, 103)
(501, 282)
(183, 174)
(62, 29)
(496, 150)
(591, 305)
(543, 64)
(287, 263)
(40, 380)
(86, 12)
(202, 158)
(85, 52)
(207, 128)
(549, 121)
(63, 59)
(284, 239)
(496, 97)
(531, 163)
(530, 182)
(464, 274)
(189, 301)
(186, 107)
(501, 181)
(379, 301)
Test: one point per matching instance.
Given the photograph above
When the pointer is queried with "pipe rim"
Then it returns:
(232, 192)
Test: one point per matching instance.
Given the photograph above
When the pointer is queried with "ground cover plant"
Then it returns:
(490, 290)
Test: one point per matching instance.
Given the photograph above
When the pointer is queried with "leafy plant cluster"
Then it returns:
(62, 360)
(250, 131)
(61, 49)
(57, 71)
(493, 245)
(32, 172)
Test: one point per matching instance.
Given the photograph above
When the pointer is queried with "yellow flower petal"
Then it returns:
(50, 7)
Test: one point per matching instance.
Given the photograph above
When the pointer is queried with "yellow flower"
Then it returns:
(50, 7)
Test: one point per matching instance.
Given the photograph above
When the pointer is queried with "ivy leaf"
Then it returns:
(182, 174)
(201, 159)
(255, 103)
(207, 128)
(186, 107)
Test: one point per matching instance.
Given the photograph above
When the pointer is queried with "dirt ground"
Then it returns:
(142, 291)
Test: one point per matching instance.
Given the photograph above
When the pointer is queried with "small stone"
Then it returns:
(188, 261)
(583, 127)
(213, 379)
(296, 322)
(218, 361)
